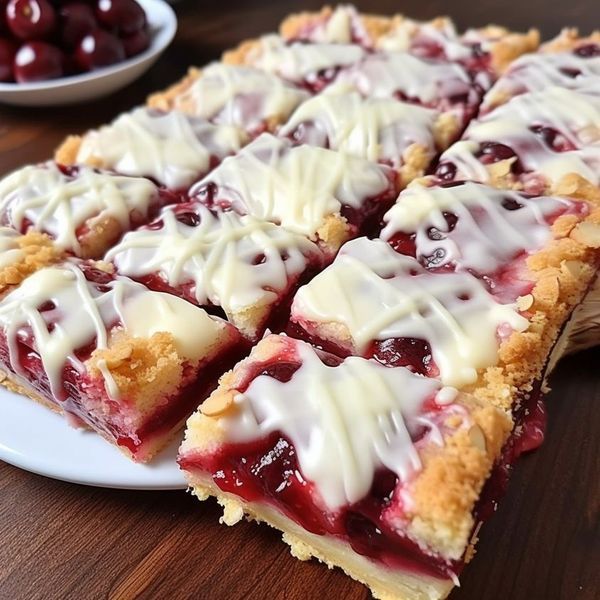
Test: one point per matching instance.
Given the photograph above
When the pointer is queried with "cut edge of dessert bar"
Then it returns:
(435, 503)
(111, 355)
(181, 96)
(23, 254)
(562, 272)
(248, 267)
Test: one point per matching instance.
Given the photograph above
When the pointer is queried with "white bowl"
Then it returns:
(89, 86)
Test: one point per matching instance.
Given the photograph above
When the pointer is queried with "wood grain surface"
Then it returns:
(59, 540)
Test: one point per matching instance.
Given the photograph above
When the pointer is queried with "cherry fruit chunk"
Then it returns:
(37, 61)
(77, 20)
(7, 56)
(124, 16)
(99, 49)
(30, 19)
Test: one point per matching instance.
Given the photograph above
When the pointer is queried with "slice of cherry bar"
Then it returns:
(248, 267)
(311, 66)
(366, 467)
(172, 148)
(568, 62)
(84, 210)
(484, 51)
(541, 142)
(325, 195)
(249, 98)
(21, 255)
(111, 354)
(490, 335)
(447, 87)
(404, 136)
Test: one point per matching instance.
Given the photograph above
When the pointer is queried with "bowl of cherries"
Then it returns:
(56, 52)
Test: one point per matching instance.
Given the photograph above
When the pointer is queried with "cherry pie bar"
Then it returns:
(325, 195)
(398, 134)
(394, 226)
(172, 148)
(111, 354)
(244, 97)
(246, 266)
(487, 50)
(84, 210)
(373, 469)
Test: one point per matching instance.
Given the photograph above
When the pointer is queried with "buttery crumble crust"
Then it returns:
(39, 252)
(165, 100)
(569, 39)
(444, 492)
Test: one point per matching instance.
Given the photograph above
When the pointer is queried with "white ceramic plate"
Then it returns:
(38, 440)
(93, 85)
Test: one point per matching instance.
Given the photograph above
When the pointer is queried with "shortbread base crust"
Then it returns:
(385, 584)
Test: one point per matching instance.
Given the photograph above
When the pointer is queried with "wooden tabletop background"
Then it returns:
(59, 540)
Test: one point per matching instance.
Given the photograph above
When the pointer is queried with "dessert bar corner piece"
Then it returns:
(370, 468)
(248, 267)
(238, 95)
(172, 148)
(130, 363)
(82, 209)
(325, 195)
(541, 142)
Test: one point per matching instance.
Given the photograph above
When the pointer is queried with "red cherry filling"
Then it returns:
(30, 19)
(446, 171)
(37, 61)
(588, 50)
(414, 354)
(316, 82)
(491, 152)
(552, 138)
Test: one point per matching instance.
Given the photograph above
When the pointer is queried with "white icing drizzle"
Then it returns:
(60, 204)
(82, 314)
(384, 75)
(372, 128)
(338, 28)
(242, 96)
(370, 290)
(539, 71)
(297, 61)
(574, 115)
(218, 256)
(294, 186)
(345, 422)
(10, 253)
(486, 235)
(172, 148)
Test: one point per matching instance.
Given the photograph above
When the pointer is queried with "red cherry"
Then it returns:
(99, 49)
(30, 19)
(8, 49)
(124, 16)
(37, 61)
(77, 20)
(136, 42)
(3, 25)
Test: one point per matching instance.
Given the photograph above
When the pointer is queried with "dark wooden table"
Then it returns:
(59, 540)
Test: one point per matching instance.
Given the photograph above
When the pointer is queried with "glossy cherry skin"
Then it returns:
(123, 16)
(38, 61)
(30, 19)
(77, 20)
(99, 49)
(8, 49)
(136, 42)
